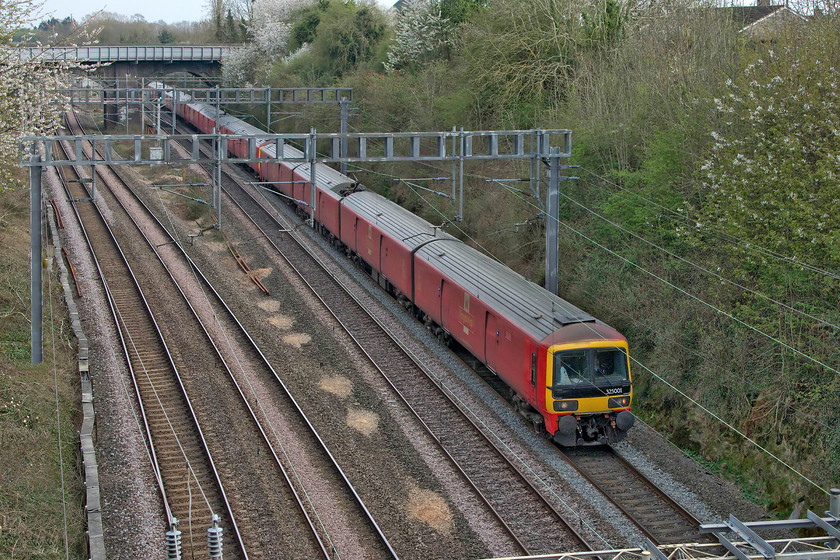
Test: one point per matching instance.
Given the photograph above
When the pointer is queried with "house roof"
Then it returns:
(746, 16)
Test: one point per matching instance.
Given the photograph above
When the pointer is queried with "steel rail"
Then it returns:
(288, 393)
(360, 345)
(399, 394)
(155, 463)
(492, 382)
(258, 424)
(119, 320)
(367, 355)
(244, 397)
(602, 482)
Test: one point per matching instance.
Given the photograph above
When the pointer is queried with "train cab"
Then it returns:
(588, 384)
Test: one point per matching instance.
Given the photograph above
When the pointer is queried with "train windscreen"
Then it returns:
(601, 367)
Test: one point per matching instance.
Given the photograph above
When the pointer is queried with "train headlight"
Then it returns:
(618, 402)
(565, 406)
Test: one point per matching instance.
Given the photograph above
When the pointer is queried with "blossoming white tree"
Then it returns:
(29, 103)
(773, 175)
(422, 33)
(269, 29)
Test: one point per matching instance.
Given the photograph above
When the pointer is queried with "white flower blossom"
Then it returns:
(421, 33)
(270, 29)
(30, 104)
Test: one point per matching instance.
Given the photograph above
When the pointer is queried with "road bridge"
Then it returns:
(204, 54)
(122, 65)
(122, 60)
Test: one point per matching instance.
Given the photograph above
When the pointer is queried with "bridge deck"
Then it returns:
(129, 53)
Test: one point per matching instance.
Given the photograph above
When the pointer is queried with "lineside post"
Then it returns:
(219, 154)
(93, 177)
(174, 108)
(454, 163)
(143, 106)
(461, 154)
(345, 106)
(313, 154)
(36, 281)
(538, 149)
(268, 108)
(552, 225)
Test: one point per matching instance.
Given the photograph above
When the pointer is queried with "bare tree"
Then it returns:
(216, 13)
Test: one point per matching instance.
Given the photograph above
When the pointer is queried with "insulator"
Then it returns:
(834, 505)
(214, 539)
(173, 542)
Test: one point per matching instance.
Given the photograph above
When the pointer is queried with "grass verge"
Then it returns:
(37, 518)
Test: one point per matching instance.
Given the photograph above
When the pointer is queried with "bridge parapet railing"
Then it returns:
(138, 53)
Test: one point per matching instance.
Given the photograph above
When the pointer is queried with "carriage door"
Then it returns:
(492, 341)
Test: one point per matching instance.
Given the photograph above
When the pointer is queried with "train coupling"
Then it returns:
(575, 431)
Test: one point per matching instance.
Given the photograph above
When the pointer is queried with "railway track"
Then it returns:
(659, 517)
(533, 522)
(177, 445)
(253, 506)
(656, 514)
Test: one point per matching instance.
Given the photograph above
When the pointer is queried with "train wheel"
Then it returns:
(444, 337)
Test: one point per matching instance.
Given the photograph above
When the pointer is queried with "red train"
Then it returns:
(566, 370)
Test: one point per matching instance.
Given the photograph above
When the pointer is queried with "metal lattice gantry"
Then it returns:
(321, 147)
(813, 548)
(90, 95)
(144, 149)
(109, 94)
(455, 146)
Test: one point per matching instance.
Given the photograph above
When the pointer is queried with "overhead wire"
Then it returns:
(175, 436)
(729, 237)
(651, 330)
(690, 399)
(697, 266)
(699, 300)
(140, 430)
(547, 486)
(677, 288)
(662, 379)
(673, 286)
(522, 195)
(241, 367)
(688, 262)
